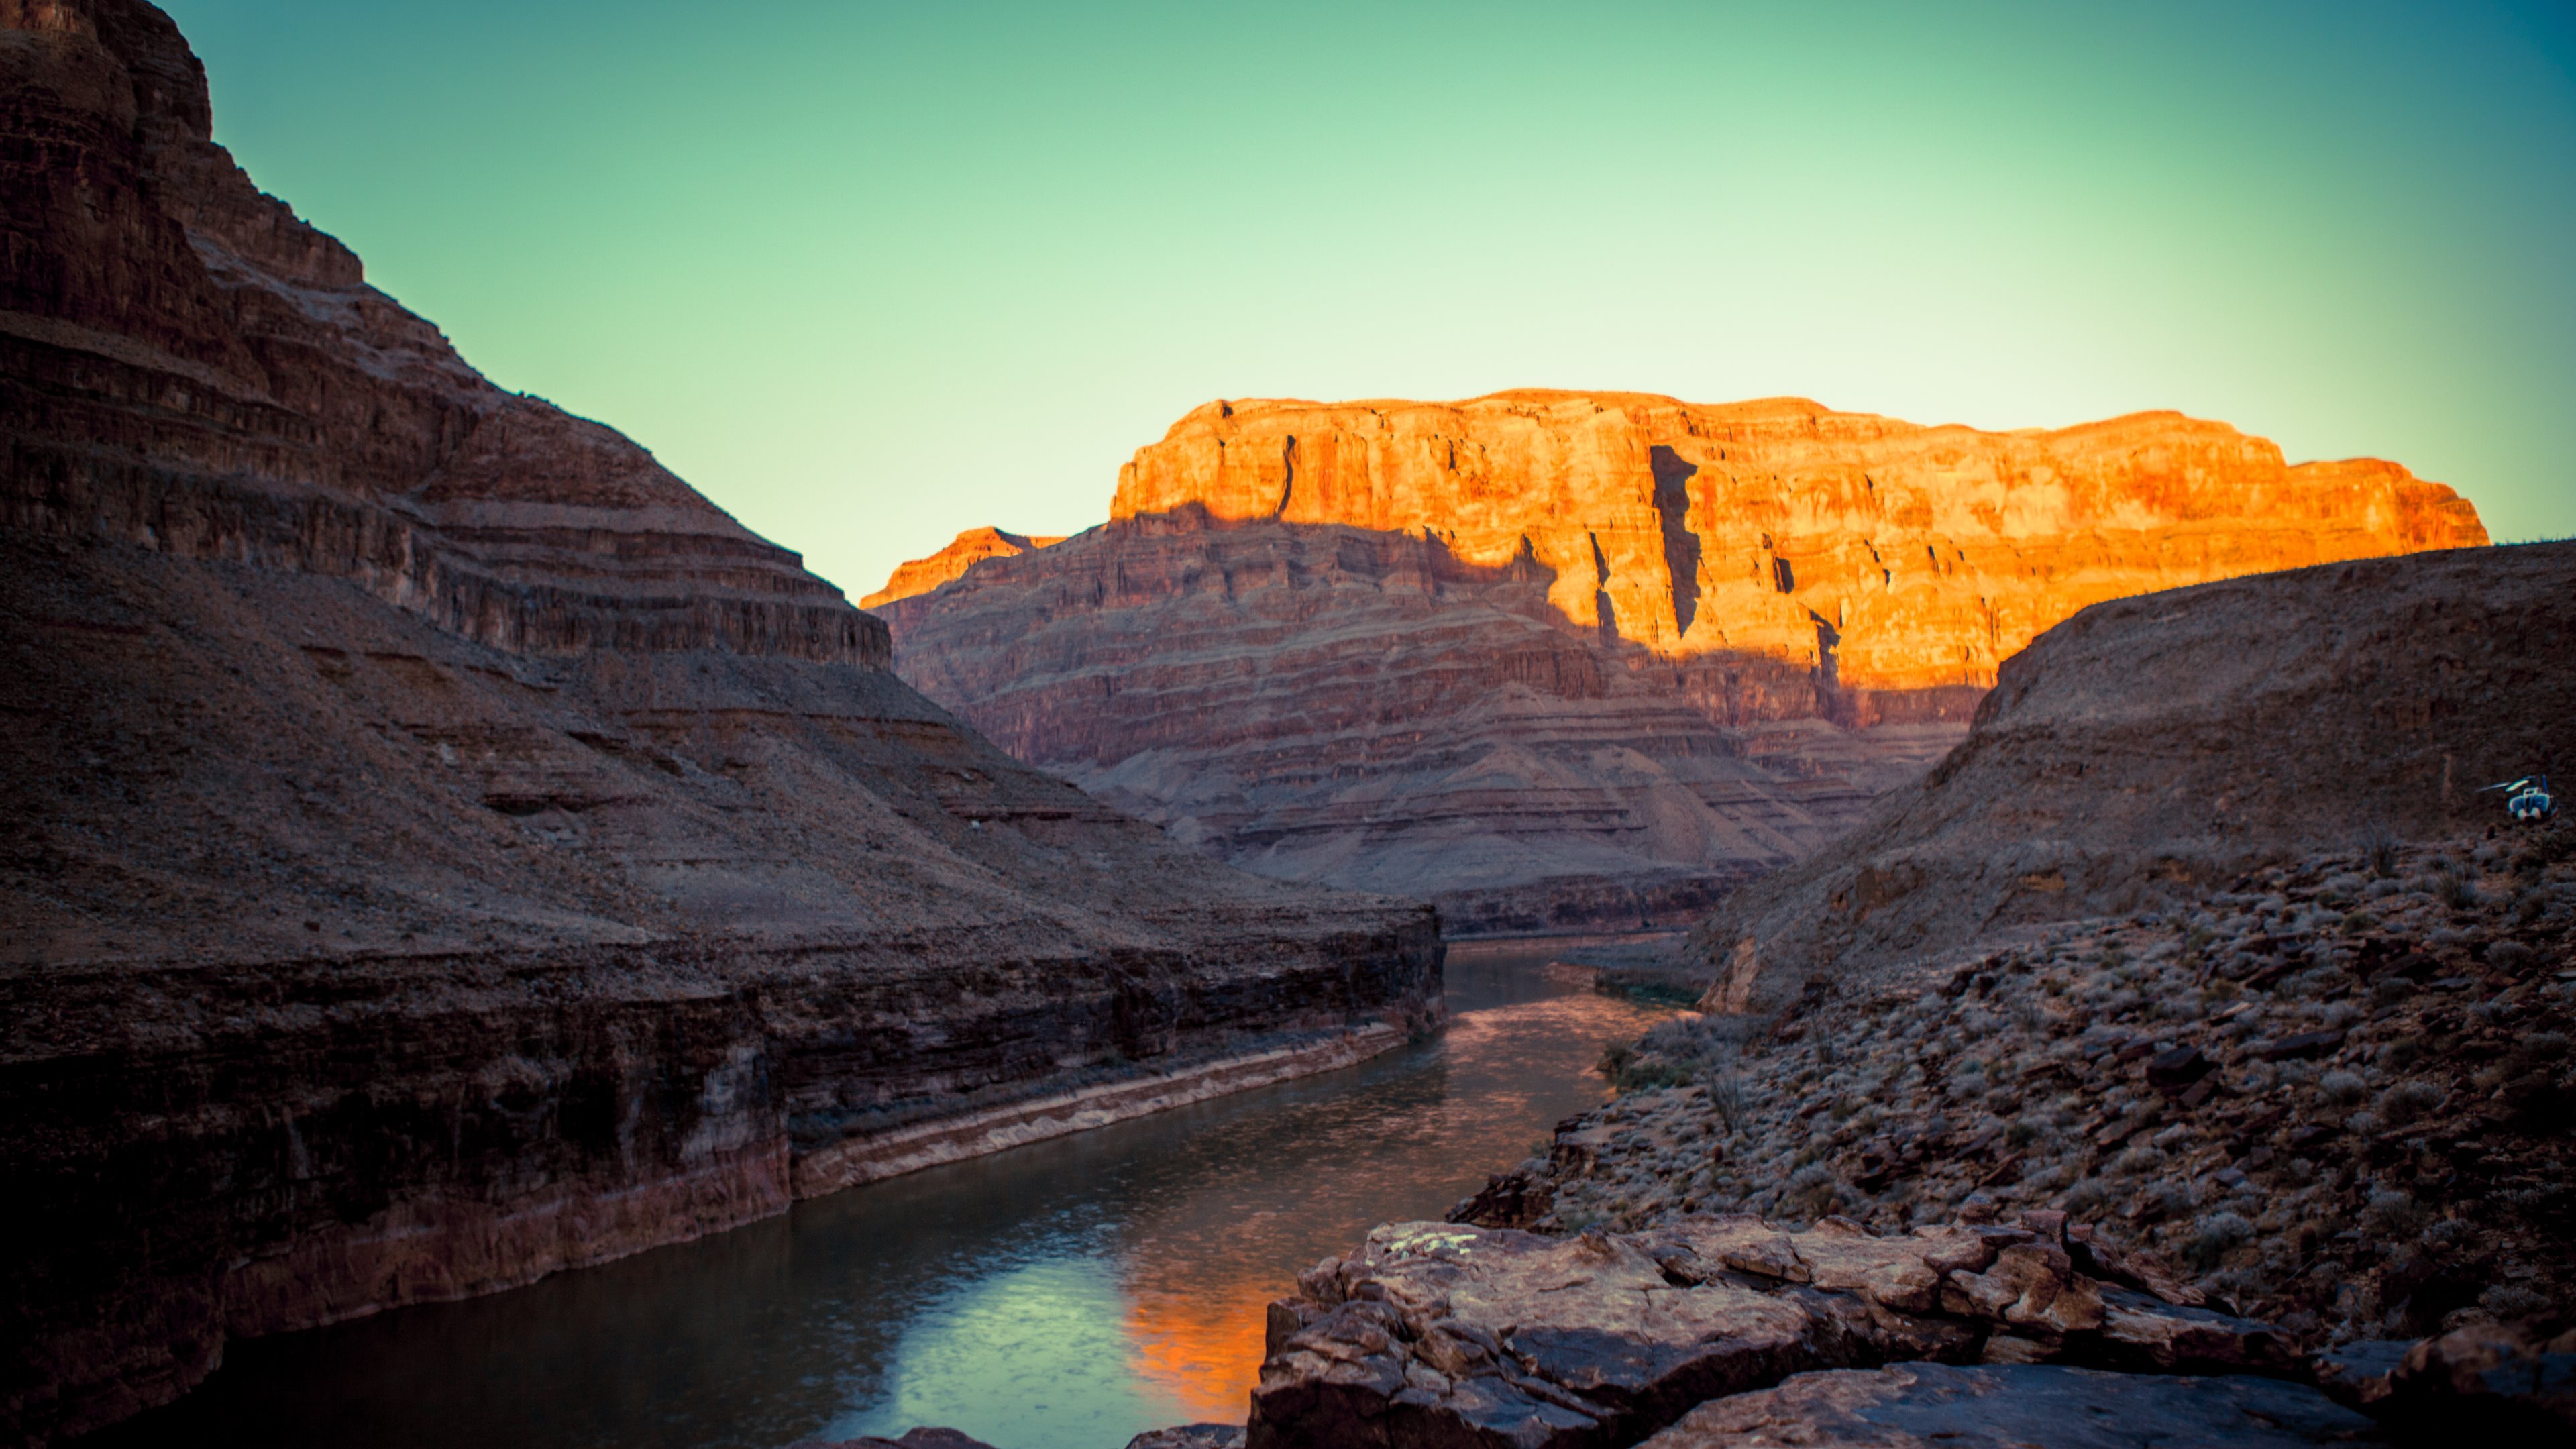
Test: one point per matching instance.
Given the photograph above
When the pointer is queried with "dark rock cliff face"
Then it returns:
(2149, 748)
(437, 847)
(192, 369)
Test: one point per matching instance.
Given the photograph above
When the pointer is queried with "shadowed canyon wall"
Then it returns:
(2148, 749)
(438, 847)
(1562, 659)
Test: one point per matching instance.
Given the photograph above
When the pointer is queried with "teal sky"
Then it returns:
(869, 274)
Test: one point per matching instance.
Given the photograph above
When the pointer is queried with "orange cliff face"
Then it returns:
(1562, 661)
(968, 549)
(1894, 556)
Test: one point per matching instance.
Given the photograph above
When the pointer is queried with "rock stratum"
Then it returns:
(440, 848)
(2150, 750)
(1556, 659)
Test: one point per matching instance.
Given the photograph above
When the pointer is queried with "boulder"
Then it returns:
(921, 1438)
(1190, 1436)
(1438, 1333)
(1922, 1405)
(2499, 1381)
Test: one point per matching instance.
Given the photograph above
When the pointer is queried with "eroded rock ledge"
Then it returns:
(1444, 1334)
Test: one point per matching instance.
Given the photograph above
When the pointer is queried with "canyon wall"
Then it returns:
(1898, 557)
(1557, 660)
(438, 847)
(2155, 748)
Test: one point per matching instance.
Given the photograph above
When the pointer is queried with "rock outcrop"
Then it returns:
(2155, 748)
(918, 1438)
(440, 848)
(965, 551)
(1561, 659)
(2338, 1095)
(1933, 1406)
(2493, 1382)
(1444, 1335)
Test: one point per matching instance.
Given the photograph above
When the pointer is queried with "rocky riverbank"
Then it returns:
(2338, 1097)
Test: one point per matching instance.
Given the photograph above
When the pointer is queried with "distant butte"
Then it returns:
(1564, 659)
(968, 549)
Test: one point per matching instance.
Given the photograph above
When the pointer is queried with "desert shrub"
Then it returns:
(2536, 1052)
(2407, 1102)
(2137, 1162)
(2449, 1232)
(2213, 1236)
(2379, 848)
(2047, 1179)
(1614, 1059)
(2397, 1213)
(2164, 1200)
(1812, 1191)
(1729, 1099)
(2510, 1301)
(2400, 1054)
(2342, 1088)
(1652, 1074)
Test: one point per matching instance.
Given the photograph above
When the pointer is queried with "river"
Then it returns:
(1061, 1296)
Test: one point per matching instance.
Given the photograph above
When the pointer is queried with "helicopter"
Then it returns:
(2526, 799)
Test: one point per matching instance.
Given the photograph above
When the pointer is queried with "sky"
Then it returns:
(870, 274)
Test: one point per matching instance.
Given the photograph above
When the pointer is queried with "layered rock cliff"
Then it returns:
(1562, 659)
(1894, 556)
(963, 552)
(442, 848)
(2167, 743)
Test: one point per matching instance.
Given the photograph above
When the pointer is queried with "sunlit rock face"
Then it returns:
(1557, 660)
(968, 549)
(1898, 556)
(440, 846)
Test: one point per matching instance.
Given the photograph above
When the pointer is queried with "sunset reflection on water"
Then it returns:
(1201, 1348)
(1203, 1260)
